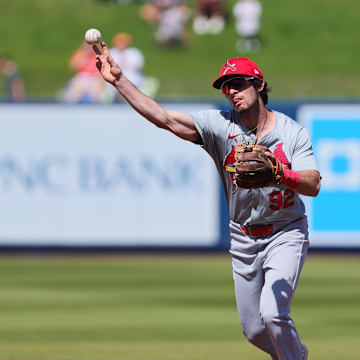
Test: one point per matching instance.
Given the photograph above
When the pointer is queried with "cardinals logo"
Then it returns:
(228, 67)
(229, 161)
(279, 153)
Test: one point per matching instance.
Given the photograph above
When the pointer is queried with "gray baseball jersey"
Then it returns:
(288, 140)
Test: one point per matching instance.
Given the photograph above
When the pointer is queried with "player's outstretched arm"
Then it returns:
(179, 123)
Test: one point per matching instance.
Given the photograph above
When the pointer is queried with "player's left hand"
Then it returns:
(255, 167)
(278, 172)
(106, 65)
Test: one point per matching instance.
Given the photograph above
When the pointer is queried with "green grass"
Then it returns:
(161, 308)
(310, 46)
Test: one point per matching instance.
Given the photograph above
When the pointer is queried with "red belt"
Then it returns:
(257, 231)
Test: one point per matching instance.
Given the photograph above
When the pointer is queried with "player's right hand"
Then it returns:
(106, 65)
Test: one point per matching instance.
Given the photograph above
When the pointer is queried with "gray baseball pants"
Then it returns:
(266, 272)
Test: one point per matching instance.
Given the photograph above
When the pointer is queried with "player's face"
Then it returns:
(241, 93)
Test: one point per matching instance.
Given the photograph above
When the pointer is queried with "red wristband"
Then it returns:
(290, 178)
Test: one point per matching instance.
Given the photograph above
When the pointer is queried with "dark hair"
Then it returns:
(264, 92)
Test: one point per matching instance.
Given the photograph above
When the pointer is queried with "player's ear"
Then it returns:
(259, 85)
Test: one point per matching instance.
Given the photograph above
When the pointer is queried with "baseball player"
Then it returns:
(268, 227)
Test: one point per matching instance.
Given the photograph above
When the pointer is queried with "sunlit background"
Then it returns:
(113, 233)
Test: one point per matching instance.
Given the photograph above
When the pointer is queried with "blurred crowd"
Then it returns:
(87, 86)
(13, 82)
(171, 21)
(170, 17)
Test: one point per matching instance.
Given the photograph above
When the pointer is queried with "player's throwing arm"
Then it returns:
(179, 123)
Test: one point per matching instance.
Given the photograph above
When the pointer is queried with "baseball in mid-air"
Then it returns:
(93, 36)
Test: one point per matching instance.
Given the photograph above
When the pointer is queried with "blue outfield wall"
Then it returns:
(99, 178)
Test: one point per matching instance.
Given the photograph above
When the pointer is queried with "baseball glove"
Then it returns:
(253, 168)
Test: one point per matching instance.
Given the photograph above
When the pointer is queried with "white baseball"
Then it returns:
(93, 36)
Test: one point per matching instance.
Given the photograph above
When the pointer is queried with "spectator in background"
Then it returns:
(170, 17)
(150, 12)
(210, 17)
(172, 22)
(247, 23)
(13, 80)
(86, 86)
(132, 63)
(131, 58)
